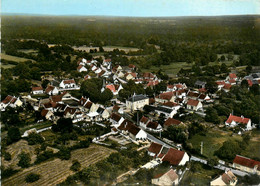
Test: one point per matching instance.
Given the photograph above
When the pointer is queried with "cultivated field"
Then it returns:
(56, 171)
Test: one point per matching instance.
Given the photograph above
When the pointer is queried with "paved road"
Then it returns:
(219, 166)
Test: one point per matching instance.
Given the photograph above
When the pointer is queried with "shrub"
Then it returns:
(32, 177)
(35, 138)
(25, 160)
(7, 156)
(75, 166)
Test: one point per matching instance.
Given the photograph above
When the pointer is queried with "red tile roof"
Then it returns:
(155, 148)
(148, 75)
(232, 76)
(192, 102)
(250, 83)
(82, 101)
(129, 126)
(88, 105)
(115, 117)
(193, 94)
(173, 156)
(49, 88)
(44, 112)
(170, 104)
(232, 81)
(131, 66)
(171, 121)
(166, 95)
(144, 119)
(153, 83)
(70, 110)
(7, 99)
(152, 125)
(246, 162)
(69, 81)
(111, 87)
(116, 108)
(220, 82)
(36, 88)
(151, 100)
(237, 119)
(101, 73)
(170, 174)
(227, 86)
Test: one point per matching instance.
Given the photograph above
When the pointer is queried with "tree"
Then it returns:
(222, 58)
(45, 82)
(63, 125)
(7, 156)
(75, 166)
(101, 49)
(106, 95)
(35, 138)
(25, 160)
(32, 177)
(228, 150)
(244, 83)
(213, 161)
(255, 89)
(13, 134)
(211, 86)
(212, 116)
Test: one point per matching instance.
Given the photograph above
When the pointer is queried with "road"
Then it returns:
(219, 166)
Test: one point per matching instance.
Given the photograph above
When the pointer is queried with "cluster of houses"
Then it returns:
(232, 79)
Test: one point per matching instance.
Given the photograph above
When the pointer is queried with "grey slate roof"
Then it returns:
(137, 98)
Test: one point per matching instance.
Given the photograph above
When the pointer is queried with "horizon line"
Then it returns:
(78, 15)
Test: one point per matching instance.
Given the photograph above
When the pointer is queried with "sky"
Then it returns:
(132, 8)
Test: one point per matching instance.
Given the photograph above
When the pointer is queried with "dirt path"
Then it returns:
(55, 171)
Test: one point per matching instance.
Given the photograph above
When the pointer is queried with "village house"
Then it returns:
(117, 108)
(164, 110)
(194, 105)
(47, 114)
(81, 68)
(134, 132)
(231, 76)
(148, 76)
(114, 88)
(116, 120)
(220, 84)
(143, 121)
(37, 90)
(200, 84)
(10, 101)
(171, 121)
(192, 95)
(154, 149)
(153, 126)
(104, 114)
(233, 121)
(130, 76)
(165, 97)
(137, 102)
(175, 87)
(228, 178)
(51, 90)
(227, 87)
(70, 83)
(176, 157)
(246, 164)
(167, 179)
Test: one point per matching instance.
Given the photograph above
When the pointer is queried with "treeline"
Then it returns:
(133, 32)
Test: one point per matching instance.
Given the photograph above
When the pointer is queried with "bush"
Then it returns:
(6, 173)
(25, 160)
(44, 156)
(32, 177)
(35, 138)
(75, 166)
(7, 156)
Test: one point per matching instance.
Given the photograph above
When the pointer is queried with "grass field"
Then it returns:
(14, 58)
(173, 69)
(6, 66)
(215, 138)
(203, 176)
(212, 141)
(55, 171)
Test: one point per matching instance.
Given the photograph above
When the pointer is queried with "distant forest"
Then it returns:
(132, 32)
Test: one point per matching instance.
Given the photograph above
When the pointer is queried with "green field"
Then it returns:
(202, 176)
(14, 58)
(212, 141)
(173, 69)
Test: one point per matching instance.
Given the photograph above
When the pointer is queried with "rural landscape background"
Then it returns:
(37, 50)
